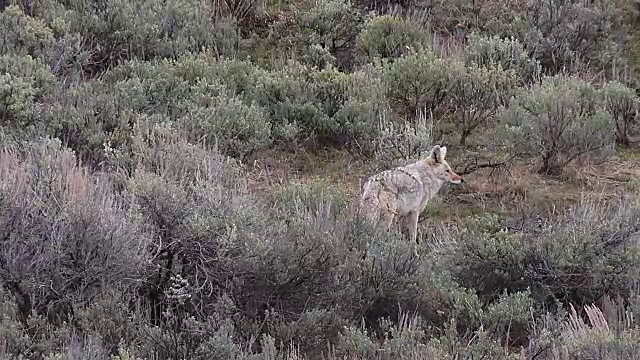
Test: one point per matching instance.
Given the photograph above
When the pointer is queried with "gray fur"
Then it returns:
(402, 193)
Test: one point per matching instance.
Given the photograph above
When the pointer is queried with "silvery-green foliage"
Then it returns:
(418, 82)
(556, 122)
(317, 56)
(301, 103)
(226, 38)
(21, 34)
(482, 344)
(509, 53)
(92, 114)
(622, 103)
(511, 314)
(390, 37)
(332, 24)
(365, 111)
(566, 35)
(399, 143)
(476, 93)
(549, 259)
(111, 32)
(236, 129)
(24, 81)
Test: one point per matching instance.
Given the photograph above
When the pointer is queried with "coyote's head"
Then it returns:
(440, 166)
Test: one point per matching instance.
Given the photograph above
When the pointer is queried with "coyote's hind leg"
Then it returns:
(388, 209)
(410, 225)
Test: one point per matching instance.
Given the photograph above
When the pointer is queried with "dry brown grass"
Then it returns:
(275, 169)
(62, 175)
(597, 331)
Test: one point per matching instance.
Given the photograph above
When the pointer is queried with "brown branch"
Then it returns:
(475, 165)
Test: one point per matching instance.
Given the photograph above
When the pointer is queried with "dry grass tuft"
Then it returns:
(608, 332)
(576, 328)
(58, 171)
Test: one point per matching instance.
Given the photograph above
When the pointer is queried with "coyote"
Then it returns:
(402, 193)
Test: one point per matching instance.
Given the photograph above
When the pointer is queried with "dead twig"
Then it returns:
(476, 165)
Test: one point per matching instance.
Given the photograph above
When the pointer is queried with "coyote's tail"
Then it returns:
(369, 202)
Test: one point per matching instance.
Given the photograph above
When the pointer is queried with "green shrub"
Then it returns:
(317, 57)
(622, 103)
(255, 108)
(489, 260)
(158, 147)
(165, 86)
(108, 319)
(311, 331)
(405, 339)
(478, 344)
(520, 276)
(365, 111)
(568, 35)
(332, 24)
(186, 92)
(69, 58)
(91, 115)
(187, 338)
(170, 30)
(314, 33)
(238, 10)
(389, 37)
(604, 266)
(226, 38)
(510, 317)
(557, 122)
(418, 82)
(111, 32)
(239, 76)
(508, 53)
(23, 34)
(288, 103)
(476, 94)
(236, 129)
(24, 82)
(195, 209)
(566, 260)
(319, 107)
(565, 36)
(300, 103)
(503, 18)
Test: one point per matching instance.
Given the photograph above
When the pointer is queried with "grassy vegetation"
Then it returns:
(178, 179)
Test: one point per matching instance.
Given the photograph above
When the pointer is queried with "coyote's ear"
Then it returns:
(436, 154)
(443, 152)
